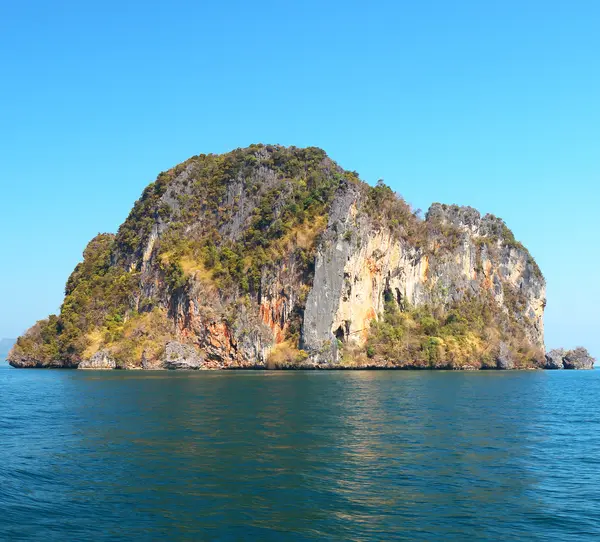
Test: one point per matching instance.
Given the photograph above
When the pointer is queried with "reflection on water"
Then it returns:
(303, 455)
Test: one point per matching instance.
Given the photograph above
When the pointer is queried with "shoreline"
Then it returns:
(311, 369)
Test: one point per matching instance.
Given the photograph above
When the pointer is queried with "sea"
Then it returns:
(299, 455)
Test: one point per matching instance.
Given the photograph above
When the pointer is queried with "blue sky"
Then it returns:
(489, 104)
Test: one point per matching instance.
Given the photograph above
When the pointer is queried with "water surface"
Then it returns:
(370, 455)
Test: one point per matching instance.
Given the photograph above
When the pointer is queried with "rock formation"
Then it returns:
(554, 359)
(579, 358)
(276, 257)
(100, 360)
(182, 356)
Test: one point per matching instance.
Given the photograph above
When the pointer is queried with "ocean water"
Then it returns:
(372, 455)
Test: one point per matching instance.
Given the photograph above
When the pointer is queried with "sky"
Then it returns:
(489, 104)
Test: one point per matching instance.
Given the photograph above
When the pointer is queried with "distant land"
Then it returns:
(5, 346)
(276, 257)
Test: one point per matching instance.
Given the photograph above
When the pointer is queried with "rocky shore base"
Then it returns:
(180, 356)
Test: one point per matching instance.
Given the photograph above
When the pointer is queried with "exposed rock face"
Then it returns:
(182, 356)
(227, 261)
(572, 359)
(578, 359)
(504, 358)
(101, 360)
(357, 263)
(20, 361)
(554, 359)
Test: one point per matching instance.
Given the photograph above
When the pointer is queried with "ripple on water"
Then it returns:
(271, 455)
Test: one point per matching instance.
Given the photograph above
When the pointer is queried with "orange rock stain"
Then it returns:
(271, 314)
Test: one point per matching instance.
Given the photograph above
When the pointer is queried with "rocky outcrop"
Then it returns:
(277, 257)
(32, 351)
(20, 361)
(579, 358)
(182, 356)
(554, 359)
(504, 358)
(101, 360)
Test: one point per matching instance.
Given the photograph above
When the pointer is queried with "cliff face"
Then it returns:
(276, 257)
(463, 257)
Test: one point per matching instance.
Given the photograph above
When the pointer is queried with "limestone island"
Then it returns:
(276, 257)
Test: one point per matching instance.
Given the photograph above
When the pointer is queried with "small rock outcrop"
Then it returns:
(554, 359)
(578, 359)
(101, 360)
(504, 359)
(182, 356)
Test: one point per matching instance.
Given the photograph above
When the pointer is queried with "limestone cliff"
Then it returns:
(464, 256)
(277, 257)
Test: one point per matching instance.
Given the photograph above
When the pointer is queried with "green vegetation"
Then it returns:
(388, 209)
(288, 212)
(285, 354)
(41, 341)
(501, 232)
(468, 334)
(134, 232)
(97, 296)
(143, 336)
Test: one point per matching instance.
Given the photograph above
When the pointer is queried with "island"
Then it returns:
(276, 257)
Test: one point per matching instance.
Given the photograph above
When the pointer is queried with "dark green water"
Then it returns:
(299, 455)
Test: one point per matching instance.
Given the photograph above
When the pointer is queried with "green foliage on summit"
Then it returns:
(388, 209)
(270, 194)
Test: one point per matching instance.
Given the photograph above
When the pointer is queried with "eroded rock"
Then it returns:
(578, 359)
(504, 358)
(101, 360)
(182, 356)
(554, 359)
